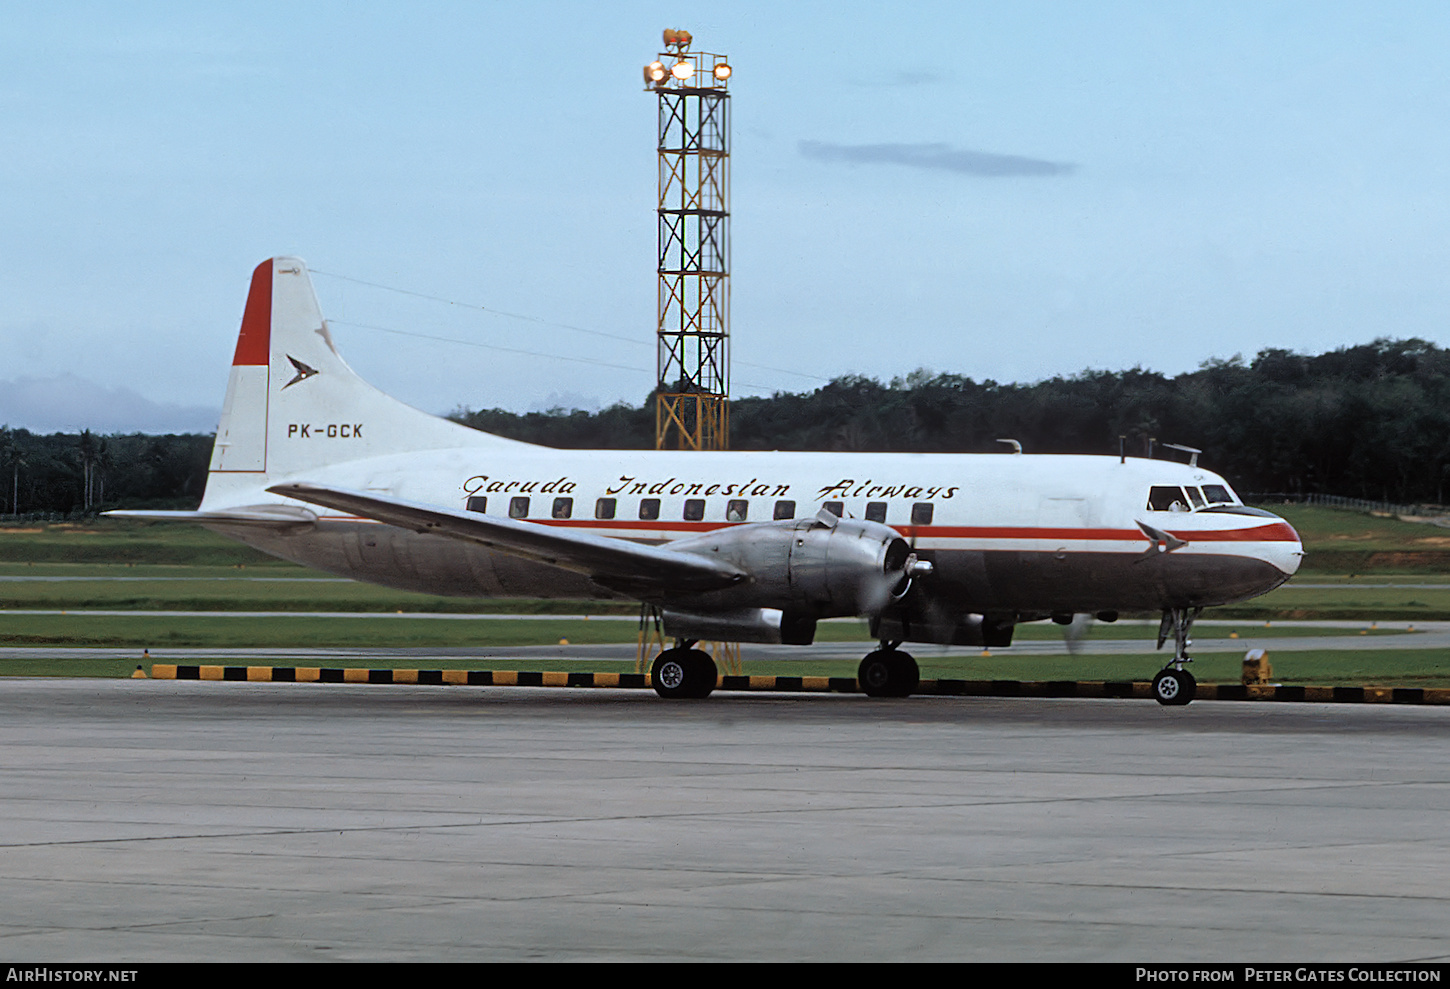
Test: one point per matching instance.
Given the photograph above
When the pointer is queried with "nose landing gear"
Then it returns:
(1174, 686)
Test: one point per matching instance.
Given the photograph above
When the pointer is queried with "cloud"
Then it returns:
(937, 156)
(68, 404)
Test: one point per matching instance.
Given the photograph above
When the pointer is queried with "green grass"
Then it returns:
(125, 541)
(1348, 602)
(1390, 667)
(390, 630)
(174, 588)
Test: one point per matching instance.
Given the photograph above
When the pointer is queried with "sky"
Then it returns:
(1004, 191)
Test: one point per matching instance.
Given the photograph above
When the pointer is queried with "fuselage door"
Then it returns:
(1062, 519)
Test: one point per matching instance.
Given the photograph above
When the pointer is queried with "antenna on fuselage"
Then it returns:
(1016, 447)
(1191, 451)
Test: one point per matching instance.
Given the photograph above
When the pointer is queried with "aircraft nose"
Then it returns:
(1282, 547)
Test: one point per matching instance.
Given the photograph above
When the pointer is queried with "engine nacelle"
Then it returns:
(963, 630)
(823, 567)
(769, 625)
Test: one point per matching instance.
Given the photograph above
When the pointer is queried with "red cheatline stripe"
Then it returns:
(254, 343)
(1278, 532)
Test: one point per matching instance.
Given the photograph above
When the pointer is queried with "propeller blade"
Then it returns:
(1075, 631)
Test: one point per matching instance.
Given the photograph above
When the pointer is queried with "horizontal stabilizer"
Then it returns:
(277, 515)
(646, 571)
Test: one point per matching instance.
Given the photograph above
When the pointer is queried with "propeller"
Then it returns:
(894, 581)
(1075, 631)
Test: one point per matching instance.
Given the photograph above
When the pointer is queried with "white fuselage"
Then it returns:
(1011, 533)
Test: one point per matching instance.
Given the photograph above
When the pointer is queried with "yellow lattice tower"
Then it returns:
(692, 409)
(692, 394)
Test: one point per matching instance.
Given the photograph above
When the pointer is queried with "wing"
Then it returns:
(633, 568)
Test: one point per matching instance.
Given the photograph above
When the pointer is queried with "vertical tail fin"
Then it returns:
(293, 403)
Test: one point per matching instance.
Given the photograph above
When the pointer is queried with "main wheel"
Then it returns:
(1174, 688)
(888, 673)
(683, 673)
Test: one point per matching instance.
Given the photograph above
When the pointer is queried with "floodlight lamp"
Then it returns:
(682, 70)
(655, 72)
(722, 71)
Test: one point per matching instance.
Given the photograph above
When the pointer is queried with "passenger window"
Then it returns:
(649, 508)
(604, 508)
(784, 510)
(1165, 499)
(737, 510)
(922, 512)
(518, 508)
(875, 511)
(836, 508)
(1195, 496)
(563, 508)
(477, 503)
(694, 509)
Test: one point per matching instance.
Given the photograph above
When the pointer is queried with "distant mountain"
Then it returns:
(69, 404)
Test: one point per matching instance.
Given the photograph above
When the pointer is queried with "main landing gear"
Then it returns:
(1174, 686)
(684, 672)
(888, 672)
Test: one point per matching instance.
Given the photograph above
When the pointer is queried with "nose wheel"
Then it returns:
(1174, 688)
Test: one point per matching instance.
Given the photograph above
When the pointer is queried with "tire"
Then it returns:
(703, 675)
(1174, 688)
(678, 674)
(888, 673)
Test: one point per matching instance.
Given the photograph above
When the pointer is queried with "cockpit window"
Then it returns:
(1162, 498)
(1195, 496)
(1217, 494)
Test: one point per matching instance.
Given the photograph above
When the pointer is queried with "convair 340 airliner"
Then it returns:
(314, 465)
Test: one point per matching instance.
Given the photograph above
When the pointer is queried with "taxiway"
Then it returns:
(151, 820)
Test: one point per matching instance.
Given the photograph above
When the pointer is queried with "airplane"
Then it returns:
(314, 465)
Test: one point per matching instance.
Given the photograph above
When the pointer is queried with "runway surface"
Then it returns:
(152, 820)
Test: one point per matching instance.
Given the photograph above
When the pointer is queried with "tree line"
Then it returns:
(1370, 421)
(83, 473)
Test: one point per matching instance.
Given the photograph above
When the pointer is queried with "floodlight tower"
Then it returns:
(692, 410)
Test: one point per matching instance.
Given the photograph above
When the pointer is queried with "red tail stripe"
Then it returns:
(254, 343)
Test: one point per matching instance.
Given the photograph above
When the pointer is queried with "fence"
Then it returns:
(1338, 501)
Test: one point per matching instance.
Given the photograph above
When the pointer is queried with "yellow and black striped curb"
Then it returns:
(955, 688)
